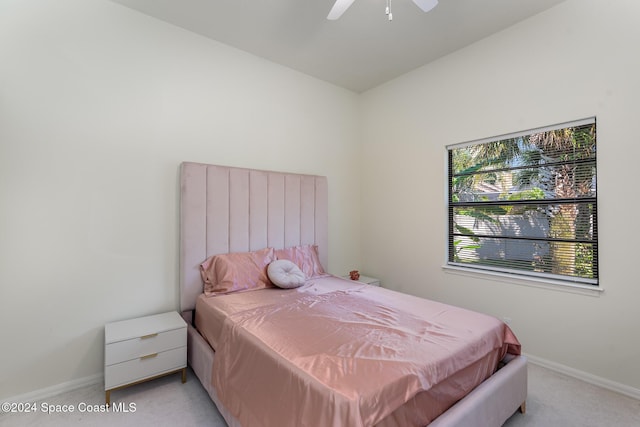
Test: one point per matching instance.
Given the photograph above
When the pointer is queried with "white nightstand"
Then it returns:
(365, 279)
(142, 349)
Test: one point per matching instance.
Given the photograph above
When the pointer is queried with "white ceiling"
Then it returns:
(360, 50)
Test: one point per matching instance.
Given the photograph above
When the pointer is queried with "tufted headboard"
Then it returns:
(226, 209)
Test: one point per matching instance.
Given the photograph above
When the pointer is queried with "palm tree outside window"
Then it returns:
(526, 203)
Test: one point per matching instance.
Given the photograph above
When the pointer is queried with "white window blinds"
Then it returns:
(526, 203)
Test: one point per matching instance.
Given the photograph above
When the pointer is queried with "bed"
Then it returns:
(265, 371)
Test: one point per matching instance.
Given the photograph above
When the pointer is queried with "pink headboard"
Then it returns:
(225, 209)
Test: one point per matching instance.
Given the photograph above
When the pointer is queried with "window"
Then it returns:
(526, 203)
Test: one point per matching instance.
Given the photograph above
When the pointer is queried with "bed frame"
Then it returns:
(226, 209)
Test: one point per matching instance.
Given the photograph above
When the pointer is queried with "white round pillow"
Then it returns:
(285, 274)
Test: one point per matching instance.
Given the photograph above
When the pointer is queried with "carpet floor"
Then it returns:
(554, 400)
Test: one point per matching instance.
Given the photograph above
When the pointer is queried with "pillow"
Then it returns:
(237, 271)
(305, 257)
(285, 274)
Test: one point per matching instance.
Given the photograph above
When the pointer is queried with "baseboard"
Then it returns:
(45, 393)
(586, 377)
(626, 390)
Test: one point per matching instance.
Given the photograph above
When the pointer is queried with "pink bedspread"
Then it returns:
(337, 353)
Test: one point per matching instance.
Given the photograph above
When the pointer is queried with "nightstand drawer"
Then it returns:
(154, 343)
(140, 368)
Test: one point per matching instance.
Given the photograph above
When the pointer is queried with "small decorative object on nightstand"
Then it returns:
(143, 349)
(354, 275)
(365, 279)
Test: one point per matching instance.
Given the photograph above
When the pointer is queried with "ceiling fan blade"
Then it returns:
(338, 9)
(426, 5)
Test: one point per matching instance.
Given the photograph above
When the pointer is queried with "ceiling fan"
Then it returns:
(340, 6)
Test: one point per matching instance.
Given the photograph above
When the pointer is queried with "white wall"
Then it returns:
(98, 106)
(576, 60)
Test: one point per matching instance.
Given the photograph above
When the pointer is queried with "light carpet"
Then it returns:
(554, 400)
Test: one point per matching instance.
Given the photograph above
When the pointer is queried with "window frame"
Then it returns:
(522, 276)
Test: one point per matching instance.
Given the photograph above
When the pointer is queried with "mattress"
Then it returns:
(335, 352)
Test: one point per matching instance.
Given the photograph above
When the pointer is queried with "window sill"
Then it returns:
(553, 285)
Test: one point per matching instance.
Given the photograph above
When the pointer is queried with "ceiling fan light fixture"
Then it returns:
(340, 6)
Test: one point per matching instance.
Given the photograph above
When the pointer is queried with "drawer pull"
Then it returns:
(148, 356)
(145, 337)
